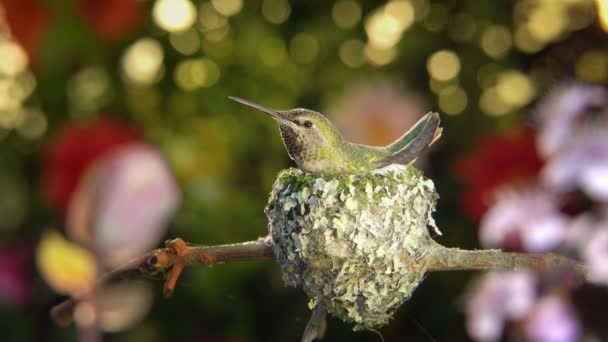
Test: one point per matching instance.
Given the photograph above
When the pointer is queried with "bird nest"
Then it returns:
(354, 243)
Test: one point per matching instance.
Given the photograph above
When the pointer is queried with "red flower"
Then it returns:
(109, 19)
(75, 148)
(28, 20)
(496, 160)
(112, 19)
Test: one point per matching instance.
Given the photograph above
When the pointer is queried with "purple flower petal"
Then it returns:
(584, 164)
(560, 110)
(530, 216)
(552, 320)
(595, 255)
(496, 298)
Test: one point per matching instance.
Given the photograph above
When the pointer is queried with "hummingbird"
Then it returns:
(316, 146)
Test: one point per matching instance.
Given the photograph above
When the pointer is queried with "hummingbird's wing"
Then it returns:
(407, 148)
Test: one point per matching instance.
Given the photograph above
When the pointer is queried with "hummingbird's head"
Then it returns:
(308, 135)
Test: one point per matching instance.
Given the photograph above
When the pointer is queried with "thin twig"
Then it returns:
(442, 258)
(173, 259)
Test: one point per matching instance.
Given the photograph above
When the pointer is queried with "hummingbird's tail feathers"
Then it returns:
(315, 329)
(407, 148)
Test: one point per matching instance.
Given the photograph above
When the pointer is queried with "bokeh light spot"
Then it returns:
(192, 74)
(352, 53)
(592, 66)
(174, 15)
(346, 14)
(276, 11)
(379, 57)
(142, 62)
(515, 88)
(32, 124)
(385, 26)
(228, 7)
(443, 65)
(602, 13)
(492, 104)
(453, 100)
(547, 22)
(187, 42)
(14, 59)
(496, 41)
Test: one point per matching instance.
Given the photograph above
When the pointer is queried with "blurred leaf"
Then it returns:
(124, 305)
(65, 266)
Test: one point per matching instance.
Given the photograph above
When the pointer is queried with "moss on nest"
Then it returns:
(354, 243)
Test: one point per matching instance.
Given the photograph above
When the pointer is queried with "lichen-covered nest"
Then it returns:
(353, 243)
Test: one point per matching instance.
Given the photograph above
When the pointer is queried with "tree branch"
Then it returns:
(442, 258)
(173, 259)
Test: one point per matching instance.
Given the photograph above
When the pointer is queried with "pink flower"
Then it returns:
(73, 149)
(122, 207)
(584, 165)
(561, 111)
(15, 282)
(528, 220)
(498, 297)
(595, 254)
(376, 113)
(552, 320)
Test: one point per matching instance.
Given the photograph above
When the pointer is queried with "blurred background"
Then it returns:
(115, 107)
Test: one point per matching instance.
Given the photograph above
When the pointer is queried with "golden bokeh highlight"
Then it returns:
(492, 104)
(187, 42)
(17, 84)
(592, 66)
(602, 13)
(304, 48)
(352, 53)
(88, 91)
(515, 88)
(385, 26)
(346, 14)
(174, 15)
(422, 8)
(276, 11)
(443, 65)
(541, 22)
(452, 100)
(437, 86)
(192, 74)
(14, 59)
(142, 62)
(496, 41)
(379, 57)
(228, 7)
(525, 42)
(32, 124)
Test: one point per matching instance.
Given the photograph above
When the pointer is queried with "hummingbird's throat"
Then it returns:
(294, 142)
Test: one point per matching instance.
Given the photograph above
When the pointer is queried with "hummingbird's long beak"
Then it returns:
(275, 114)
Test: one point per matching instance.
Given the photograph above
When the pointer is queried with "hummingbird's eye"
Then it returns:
(307, 124)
